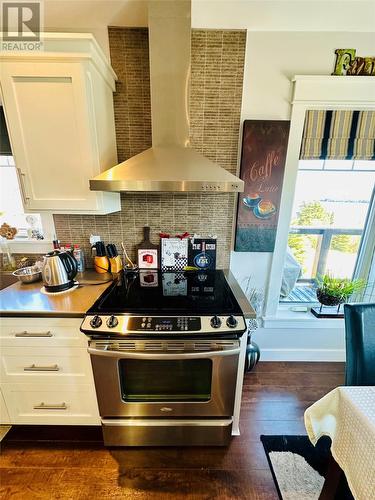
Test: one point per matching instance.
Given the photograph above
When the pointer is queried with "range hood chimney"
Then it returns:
(170, 164)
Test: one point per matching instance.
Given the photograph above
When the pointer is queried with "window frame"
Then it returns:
(310, 92)
(367, 235)
(25, 245)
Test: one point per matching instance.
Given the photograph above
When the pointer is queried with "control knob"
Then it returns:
(215, 322)
(96, 321)
(232, 322)
(112, 321)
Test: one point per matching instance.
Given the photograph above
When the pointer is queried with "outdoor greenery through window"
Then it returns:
(332, 199)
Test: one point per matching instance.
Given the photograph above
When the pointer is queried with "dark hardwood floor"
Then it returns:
(71, 463)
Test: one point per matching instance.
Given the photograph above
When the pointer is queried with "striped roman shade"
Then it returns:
(338, 135)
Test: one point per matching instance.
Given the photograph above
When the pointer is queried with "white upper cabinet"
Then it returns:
(58, 105)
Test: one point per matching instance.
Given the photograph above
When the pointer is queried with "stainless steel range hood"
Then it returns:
(170, 164)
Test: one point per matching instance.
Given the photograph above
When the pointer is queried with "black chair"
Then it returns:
(360, 344)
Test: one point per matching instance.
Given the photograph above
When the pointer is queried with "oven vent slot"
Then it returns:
(204, 346)
(122, 346)
(102, 344)
(153, 346)
(180, 346)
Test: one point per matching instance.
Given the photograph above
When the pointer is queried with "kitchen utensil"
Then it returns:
(101, 262)
(147, 252)
(114, 258)
(28, 274)
(59, 271)
(128, 264)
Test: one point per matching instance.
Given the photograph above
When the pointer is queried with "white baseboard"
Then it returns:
(302, 355)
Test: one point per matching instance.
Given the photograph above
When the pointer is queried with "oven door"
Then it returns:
(165, 378)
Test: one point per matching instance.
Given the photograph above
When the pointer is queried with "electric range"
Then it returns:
(165, 350)
(172, 304)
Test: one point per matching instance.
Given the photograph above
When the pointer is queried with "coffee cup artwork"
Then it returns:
(262, 169)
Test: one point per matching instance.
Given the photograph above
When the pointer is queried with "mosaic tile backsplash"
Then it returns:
(215, 107)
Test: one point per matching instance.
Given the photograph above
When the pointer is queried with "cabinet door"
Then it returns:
(4, 415)
(47, 107)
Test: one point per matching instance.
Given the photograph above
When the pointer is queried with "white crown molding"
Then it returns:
(67, 47)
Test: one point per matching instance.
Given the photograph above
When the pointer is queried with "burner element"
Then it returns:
(215, 322)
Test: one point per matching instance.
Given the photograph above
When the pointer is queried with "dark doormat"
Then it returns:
(298, 468)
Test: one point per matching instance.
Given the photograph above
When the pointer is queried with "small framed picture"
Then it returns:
(174, 254)
(147, 258)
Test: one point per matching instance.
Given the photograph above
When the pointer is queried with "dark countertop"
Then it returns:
(22, 299)
(27, 300)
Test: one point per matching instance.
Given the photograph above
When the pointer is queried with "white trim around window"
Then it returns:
(310, 92)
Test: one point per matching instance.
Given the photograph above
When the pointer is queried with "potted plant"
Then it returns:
(335, 291)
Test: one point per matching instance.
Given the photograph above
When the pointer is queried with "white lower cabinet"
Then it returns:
(45, 373)
(41, 332)
(45, 365)
(51, 404)
(4, 415)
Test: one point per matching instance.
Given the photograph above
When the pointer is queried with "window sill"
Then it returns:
(29, 246)
(285, 318)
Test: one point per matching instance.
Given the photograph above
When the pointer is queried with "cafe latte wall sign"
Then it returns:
(264, 146)
(348, 64)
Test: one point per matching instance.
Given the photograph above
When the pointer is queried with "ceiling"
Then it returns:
(95, 16)
(94, 13)
(315, 15)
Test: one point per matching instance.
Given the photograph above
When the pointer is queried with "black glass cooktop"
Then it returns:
(155, 292)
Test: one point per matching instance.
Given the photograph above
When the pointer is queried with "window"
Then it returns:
(325, 124)
(29, 226)
(187, 380)
(332, 199)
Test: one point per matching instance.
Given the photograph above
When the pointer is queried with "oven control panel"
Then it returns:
(165, 324)
(154, 325)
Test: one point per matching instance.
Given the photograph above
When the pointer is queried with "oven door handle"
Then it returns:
(171, 355)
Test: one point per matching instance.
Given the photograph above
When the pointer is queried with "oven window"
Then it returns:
(150, 381)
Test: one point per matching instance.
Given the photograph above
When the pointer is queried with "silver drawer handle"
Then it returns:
(43, 406)
(35, 368)
(33, 334)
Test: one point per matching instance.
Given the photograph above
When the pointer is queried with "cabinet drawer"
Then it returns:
(57, 365)
(41, 332)
(33, 404)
